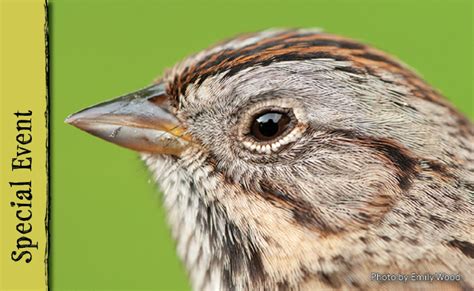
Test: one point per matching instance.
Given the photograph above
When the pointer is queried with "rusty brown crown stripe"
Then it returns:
(292, 46)
(285, 46)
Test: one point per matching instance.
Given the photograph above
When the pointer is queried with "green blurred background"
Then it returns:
(108, 229)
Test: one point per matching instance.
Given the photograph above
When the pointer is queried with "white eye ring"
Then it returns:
(293, 136)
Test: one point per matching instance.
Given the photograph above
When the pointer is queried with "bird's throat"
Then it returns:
(217, 254)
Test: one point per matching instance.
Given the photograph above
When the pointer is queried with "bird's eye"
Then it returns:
(269, 125)
(272, 126)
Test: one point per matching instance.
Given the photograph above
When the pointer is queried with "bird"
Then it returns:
(295, 159)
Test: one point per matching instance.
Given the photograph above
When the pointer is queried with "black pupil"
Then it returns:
(269, 125)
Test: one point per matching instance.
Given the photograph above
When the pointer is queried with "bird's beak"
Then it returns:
(140, 121)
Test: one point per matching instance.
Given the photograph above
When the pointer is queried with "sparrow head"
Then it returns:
(286, 131)
(291, 114)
